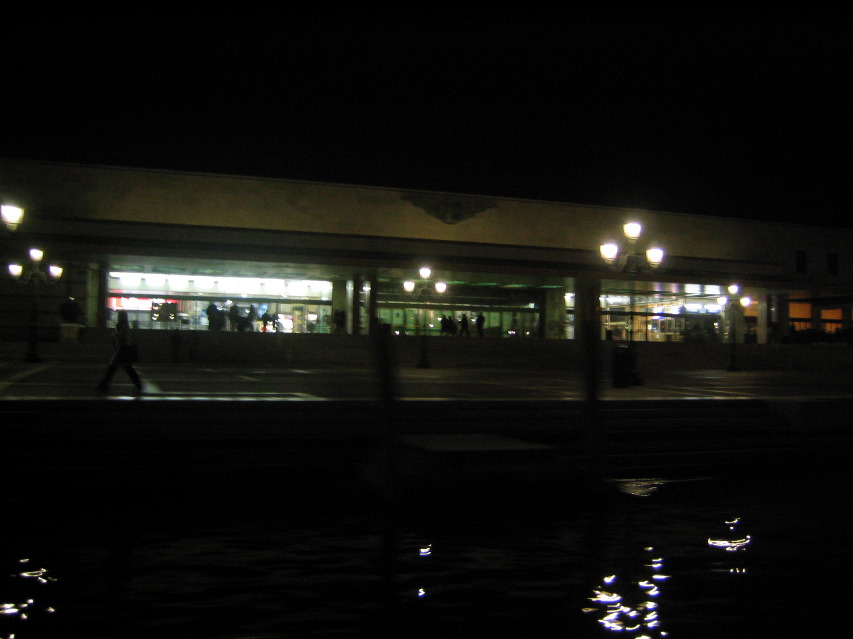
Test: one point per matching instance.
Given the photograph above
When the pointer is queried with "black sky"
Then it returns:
(738, 117)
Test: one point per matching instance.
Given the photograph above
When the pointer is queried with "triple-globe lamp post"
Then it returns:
(424, 293)
(33, 273)
(730, 305)
(632, 262)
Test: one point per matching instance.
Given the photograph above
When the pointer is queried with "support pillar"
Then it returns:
(588, 332)
(340, 305)
(354, 287)
(371, 294)
(552, 316)
(763, 318)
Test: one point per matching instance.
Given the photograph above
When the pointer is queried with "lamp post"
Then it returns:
(11, 215)
(34, 274)
(633, 263)
(424, 293)
(724, 302)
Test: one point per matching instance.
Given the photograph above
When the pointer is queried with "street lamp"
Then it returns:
(723, 301)
(633, 263)
(424, 293)
(11, 215)
(34, 273)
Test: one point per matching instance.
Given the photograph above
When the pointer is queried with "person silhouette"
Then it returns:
(122, 339)
(463, 326)
(480, 322)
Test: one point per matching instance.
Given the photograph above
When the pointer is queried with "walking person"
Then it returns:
(463, 326)
(124, 344)
(480, 322)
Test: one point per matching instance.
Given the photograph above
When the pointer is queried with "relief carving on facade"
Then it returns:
(450, 209)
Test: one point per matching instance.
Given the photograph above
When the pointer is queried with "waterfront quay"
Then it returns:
(335, 414)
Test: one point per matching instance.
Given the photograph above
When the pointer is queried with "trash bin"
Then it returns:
(621, 367)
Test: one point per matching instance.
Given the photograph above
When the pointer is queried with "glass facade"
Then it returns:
(245, 303)
(665, 312)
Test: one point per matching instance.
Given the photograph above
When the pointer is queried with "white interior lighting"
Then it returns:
(155, 280)
(12, 216)
(129, 280)
(609, 251)
(632, 230)
(654, 256)
(296, 289)
(722, 300)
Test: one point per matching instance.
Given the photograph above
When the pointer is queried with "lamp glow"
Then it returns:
(36, 255)
(16, 270)
(12, 216)
(655, 256)
(408, 286)
(632, 230)
(745, 301)
(55, 271)
(733, 289)
(609, 251)
(425, 272)
(440, 287)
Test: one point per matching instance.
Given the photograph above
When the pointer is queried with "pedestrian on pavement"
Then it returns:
(463, 326)
(480, 322)
(123, 355)
(234, 317)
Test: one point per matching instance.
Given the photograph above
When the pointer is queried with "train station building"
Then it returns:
(322, 258)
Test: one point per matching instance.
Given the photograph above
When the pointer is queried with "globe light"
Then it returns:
(745, 301)
(609, 251)
(408, 286)
(654, 256)
(36, 255)
(440, 287)
(632, 230)
(734, 289)
(425, 272)
(16, 270)
(55, 271)
(12, 215)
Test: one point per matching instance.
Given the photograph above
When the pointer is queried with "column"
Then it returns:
(340, 304)
(763, 318)
(587, 308)
(354, 305)
(371, 295)
(552, 316)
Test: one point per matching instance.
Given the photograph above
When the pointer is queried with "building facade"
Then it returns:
(172, 248)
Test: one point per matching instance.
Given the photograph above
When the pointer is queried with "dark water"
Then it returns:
(747, 555)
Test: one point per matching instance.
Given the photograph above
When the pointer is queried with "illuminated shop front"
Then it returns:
(665, 312)
(159, 301)
(508, 309)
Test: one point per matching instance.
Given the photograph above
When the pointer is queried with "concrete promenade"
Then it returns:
(202, 420)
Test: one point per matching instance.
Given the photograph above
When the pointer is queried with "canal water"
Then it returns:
(749, 554)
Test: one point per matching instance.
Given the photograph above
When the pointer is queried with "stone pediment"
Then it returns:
(450, 209)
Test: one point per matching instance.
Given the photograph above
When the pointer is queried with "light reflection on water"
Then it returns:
(661, 558)
(23, 602)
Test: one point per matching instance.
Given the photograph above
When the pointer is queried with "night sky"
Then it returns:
(736, 117)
